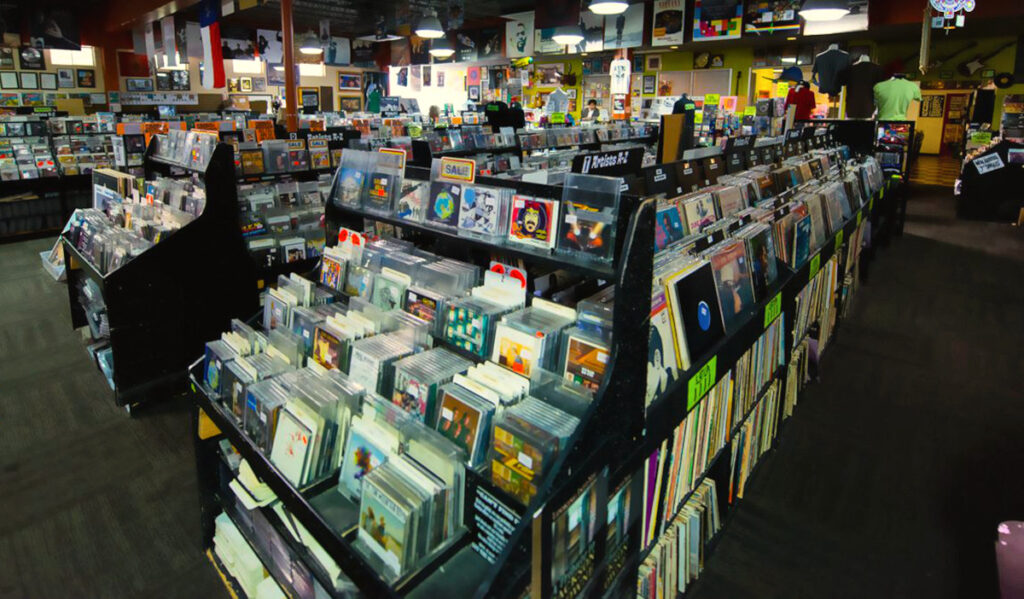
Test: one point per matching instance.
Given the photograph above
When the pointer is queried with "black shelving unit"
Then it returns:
(616, 434)
(164, 305)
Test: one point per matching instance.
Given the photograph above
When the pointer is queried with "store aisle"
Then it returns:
(892, 475)
(95, 504)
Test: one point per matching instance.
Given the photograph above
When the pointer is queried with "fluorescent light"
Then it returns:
(441, 48)
(789, 59)
(825, 10)
(430, 28)
(608, 7)
(567, 35)
(279, 67)
(673, 47)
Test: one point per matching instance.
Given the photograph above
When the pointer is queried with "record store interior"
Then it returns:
(511, 299)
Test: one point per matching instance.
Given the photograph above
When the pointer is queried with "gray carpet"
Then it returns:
(94, 503)
(890, 479)
(888, 482)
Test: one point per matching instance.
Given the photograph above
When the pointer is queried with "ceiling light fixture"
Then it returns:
(441, 48)
(608, 7)
(789, 59)
(279, 67)
(310, 44)
(568, 35)
(430, 28)
(825, 10)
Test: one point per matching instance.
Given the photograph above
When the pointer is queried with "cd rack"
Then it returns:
(614, 439)
(164, 304)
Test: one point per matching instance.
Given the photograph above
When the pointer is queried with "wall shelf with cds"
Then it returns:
(154, 276)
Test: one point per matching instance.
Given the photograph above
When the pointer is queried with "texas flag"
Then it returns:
(213, 58)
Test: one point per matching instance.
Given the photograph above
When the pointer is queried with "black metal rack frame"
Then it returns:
(615, 434)
(164, 305)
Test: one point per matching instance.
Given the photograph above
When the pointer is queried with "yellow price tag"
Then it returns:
(815, 266)
(773, 309)
(839, 239)
(712, 99)
(698, 118)
(750, 111)
(701, 383)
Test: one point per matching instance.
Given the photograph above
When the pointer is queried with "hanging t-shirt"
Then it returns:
(558, 101)
(860, 89)
(828, 69)
(893, 97)
(802, 97)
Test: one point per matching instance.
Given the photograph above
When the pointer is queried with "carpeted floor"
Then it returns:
(888, 481)
(94, 503)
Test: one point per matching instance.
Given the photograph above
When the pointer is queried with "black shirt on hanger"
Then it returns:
(828, 68)
(860, 82)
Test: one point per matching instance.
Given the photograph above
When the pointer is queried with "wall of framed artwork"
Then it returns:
(85, 78)
(48, 81)
(8, 80)
(139, 84)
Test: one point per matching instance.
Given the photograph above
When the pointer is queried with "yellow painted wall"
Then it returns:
(573, 62)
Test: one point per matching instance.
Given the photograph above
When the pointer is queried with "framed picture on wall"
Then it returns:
(65, 78)
(6, 58)
(138, 84)
(163, 81)
(29, 80)
(180, 81)
(259, 84)
(31, 59)
(309, 97)
(47, 81)
(9, 80)
(650, 84)
(245, 84)
(86, 77)
(233, 85)
(351, 103)
(654, 62)
(350, 81)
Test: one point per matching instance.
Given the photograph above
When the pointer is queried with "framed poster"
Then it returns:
(351, 103)
(309, 97)
(86, 77)
(667, 23)
(65, 78)
(9, 80)
(163, 81)
(625, 30)
(549, 74)
(650, 83)
(48, 81)
(31, 59)
(138, 84)
(717, 19)
(772, 17)
(259, 84)
(350, 81)
(245, 84)
(29, 80)
(519, 35)
(6, 58)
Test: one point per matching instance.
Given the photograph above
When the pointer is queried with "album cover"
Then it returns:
(762, 261)
(515, 350)
(443, 208)
(532, 221)
(422, 304)
(384, 525)
(732, 278)
(388, 293)
(414, 396)
(668, 227)
(662, 365)
(696, 313)
(378, 194)
(276, 158)
(326, 349)
(700, 213)
(480, 210)
(362, 455)
(351, 181)
(585, 362)
(801, 241)
(460, 423)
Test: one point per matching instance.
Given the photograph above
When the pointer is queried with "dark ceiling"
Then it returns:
(355, 18)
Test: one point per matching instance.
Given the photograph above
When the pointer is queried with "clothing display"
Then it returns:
(558, 101)
(802, 97)
(828, 69)
(860, 80)
(893, 97)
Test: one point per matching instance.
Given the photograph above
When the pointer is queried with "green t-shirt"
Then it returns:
(893, 97)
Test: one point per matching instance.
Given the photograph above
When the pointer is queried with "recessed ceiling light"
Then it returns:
(608, 7)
